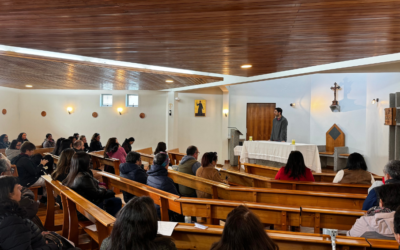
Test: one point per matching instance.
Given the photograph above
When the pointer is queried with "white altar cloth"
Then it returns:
(237, 151)
(279, 152)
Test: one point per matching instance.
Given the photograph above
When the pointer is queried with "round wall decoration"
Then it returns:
(44, 113)
(142, 115)
(4, 111)
(95, 115)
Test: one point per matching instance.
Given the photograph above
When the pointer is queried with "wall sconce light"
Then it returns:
(225, 111)
(177, 99)
(69, 109)
(292, 104)
(375, 100)
(120, 111)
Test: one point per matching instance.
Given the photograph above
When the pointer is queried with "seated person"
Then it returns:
(378, 222)
(56, 150)
(391, 172)
(79, 146)
(22, 137)
(17, 231)
(72, 139)
(4, 143)
(63, 165)
(243, 230)
(295, 169)
(14, 149)
(95, 144)
(127, 145)
(27, 196)
(355, 171)
(132, 170)
(208, 171)
(161, 147)
(189, 165)
(114, 150)
(76, 135)
(397, 225)
(81, 180)
(136, 227)
(49, 142)
(64, 145)
(29, 173)
(85, 145)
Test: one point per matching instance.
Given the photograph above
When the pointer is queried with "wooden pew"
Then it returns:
(103, 221)
(320, 217)
(250, 180)
(147, 157)
(99, 159)
(271, 172)
(186, 236)
(148, 151)
(33, 189)
(175, 157)
(383, 244)
(43, 150)
(272, 196)
(165, 200)
(175, 150)
(55, 188)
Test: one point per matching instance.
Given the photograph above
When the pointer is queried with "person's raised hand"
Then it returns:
(44, 162)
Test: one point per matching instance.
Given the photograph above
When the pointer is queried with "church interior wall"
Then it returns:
(9, 123)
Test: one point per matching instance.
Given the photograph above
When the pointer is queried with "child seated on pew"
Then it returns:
(295, 169)
(244, 231)
(136, 227)
(81, 180)
(378, 221)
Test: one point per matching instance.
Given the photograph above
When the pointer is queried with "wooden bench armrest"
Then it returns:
(324, 210)
(383, 244)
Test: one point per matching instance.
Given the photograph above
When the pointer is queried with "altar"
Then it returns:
(278, 153)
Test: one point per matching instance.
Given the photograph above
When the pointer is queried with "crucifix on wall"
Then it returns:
(335, 104)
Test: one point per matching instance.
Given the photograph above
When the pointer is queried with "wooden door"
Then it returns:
(259, 120)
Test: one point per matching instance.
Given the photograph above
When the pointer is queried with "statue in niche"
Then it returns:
(199, 108)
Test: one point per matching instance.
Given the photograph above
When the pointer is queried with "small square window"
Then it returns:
(132, 100)
(106, 100)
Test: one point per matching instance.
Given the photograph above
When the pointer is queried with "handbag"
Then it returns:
(59, 241)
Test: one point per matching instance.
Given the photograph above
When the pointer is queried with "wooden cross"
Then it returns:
(335, 88)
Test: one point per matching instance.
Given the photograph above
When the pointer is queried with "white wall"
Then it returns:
(9, 123)
(282, 92)
(147, 132)
(203, 132)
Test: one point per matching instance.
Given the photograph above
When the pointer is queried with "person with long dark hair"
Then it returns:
(63, 165)
(95, 144)
(16, 231)
(81, 180)
(4, 142)
(161, 147)
(295, 169)
(114, 150)
(85, 144)
(136, 228)
(22, 137)
(208, 171)
(72, 139)
(14, 149)
(244, 231)
(64, 145)
(127, 145)
(355, 171)
(56, 150)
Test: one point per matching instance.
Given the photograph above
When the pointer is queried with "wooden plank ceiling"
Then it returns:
(212, 36)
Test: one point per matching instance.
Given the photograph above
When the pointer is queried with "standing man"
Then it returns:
(279, 127)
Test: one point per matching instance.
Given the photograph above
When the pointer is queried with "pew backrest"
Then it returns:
(175, 157)
(148, 151)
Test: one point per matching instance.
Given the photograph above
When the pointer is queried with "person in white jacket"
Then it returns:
(378, 221)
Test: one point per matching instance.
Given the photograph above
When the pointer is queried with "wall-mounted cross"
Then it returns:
(335, 88)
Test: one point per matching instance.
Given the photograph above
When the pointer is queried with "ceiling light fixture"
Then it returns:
(28, 86)
(169, 81)
(246, 66)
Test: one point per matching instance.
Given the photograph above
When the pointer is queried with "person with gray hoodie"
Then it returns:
(378, 223)
(189, 165)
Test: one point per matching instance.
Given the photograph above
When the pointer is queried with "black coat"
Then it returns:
(158, 178)
(95, 146)
(88, 187)
(28, 171)
(127, 146)
(86, 147)
(17, 233)
(132, 172)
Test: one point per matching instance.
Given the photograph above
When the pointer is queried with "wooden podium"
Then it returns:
(234, 135)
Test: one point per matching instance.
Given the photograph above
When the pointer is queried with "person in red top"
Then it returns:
(295, 169)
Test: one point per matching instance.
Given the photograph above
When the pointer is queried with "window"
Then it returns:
(132, 100)
(106, 100)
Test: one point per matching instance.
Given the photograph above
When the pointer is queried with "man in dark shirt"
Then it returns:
(279, 127)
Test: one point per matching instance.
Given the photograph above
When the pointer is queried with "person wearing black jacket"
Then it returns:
(85, 145)
(81, 180)
(28, 172)
(132, 170)
(95, 144)
(16, 231)
(127, 145)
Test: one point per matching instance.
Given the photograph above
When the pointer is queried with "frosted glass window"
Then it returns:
(132, 100)
(106, 100)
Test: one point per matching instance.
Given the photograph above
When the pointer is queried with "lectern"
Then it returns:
(234, 135)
